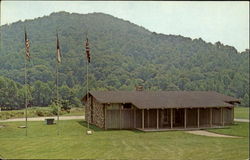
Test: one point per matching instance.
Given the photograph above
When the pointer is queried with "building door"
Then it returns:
(178, 117)
(165, 118)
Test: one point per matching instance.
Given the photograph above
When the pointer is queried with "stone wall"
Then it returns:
(94, 112)
(98, 113)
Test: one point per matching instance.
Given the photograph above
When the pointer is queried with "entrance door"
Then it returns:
(165, 118)
(178, 117)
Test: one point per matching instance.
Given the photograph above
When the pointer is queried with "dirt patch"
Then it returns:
(1, 126)
(210, 134)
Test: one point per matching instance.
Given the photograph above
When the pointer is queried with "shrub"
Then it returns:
(66, 105)
(39, 113)
(54, 108)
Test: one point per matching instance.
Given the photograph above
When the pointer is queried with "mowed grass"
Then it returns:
(241, 112)
(237, 129)
(73, 143)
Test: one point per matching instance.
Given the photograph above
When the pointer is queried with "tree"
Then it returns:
(41, 93)
(123, 55)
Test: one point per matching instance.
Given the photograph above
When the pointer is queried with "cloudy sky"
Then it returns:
(227, 22)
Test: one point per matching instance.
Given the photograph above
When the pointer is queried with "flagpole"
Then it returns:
(88, 92)
(25, 83)
(57, 98)
(25, 78)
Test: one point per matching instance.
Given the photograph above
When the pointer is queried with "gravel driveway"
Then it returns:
(43, 118)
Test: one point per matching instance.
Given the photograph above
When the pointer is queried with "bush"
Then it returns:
(39, 113)
(66, 106)
(54, 108)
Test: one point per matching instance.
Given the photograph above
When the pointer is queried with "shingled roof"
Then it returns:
(165, 99)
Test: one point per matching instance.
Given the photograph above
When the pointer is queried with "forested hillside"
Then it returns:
(123, 55)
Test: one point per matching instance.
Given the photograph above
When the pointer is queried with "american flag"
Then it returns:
(87, 50)
(58, 51)
(27, 45)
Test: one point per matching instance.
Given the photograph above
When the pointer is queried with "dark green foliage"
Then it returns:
(54, 108)
(123, 55)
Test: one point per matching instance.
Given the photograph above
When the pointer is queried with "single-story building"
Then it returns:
(159, 110)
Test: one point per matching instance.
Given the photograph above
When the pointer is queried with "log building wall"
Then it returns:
(118, 117)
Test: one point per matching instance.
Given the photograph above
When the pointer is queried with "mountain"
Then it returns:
(123, 55)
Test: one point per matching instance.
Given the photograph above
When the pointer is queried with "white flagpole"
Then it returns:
(26, 103)
(89, 112)
(57, 99)
(87, 88)
(57, 94)
(25, 81)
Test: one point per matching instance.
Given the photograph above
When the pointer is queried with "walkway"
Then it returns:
(210, 134)
(241, 120)
(43, 118)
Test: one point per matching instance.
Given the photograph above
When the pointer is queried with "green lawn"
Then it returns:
(237, 129)
(43, 143)
(241, 112)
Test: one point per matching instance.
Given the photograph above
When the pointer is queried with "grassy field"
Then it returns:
(238, 129)
(241, 112)
(43, 143)
(39, 112)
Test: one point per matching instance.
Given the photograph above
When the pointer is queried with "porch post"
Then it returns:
(232, 119)
(105, 117)
(198, 117)
(222, 116)
(171, 118)
(185, 117)
(157, 118)
(148, 117)
(142, 118)
(120, 117)
(211, 117)
(134, 117)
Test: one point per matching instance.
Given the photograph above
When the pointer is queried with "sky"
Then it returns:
(227, 22)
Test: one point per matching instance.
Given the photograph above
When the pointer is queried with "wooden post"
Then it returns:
(105, 117)
(157, 118)
(148, 117)
(171, 117)
(120, 117)
(134, 117)
(232, 118)
(142, 118)
(211, 117)
(222, 116)
(185, 118)
(198, 117)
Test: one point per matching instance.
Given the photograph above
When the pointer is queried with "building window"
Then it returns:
(127, 106)
(113, 106)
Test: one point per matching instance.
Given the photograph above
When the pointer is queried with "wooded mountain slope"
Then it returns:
(122, 55)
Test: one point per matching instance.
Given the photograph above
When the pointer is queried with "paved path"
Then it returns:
(210, 134)
(42, 118)
(241, 120)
